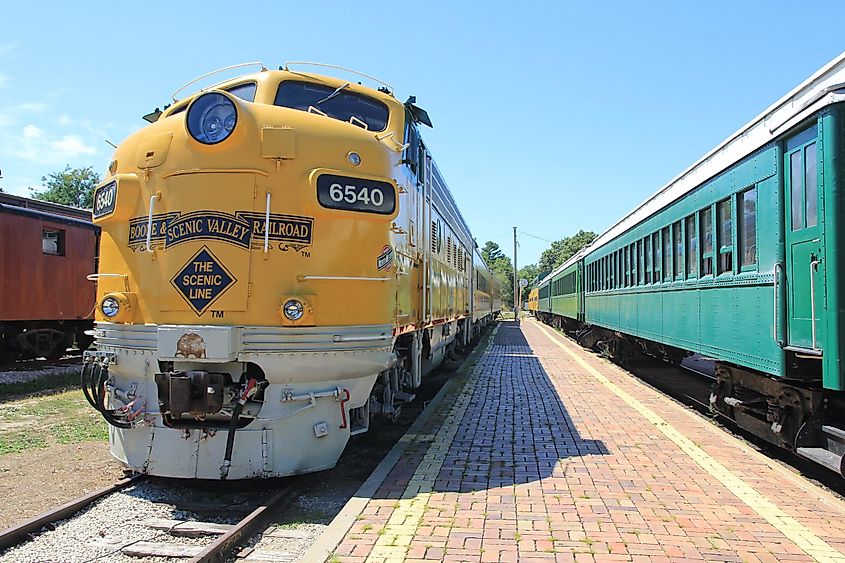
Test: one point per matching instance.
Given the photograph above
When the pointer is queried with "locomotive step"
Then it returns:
(824, 457)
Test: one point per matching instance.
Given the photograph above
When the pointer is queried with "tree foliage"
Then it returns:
(502, 268)
(71, 186)
(530, 273)
(563, 249)
(491, 252)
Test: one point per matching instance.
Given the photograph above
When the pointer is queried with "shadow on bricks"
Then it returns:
(507, 426)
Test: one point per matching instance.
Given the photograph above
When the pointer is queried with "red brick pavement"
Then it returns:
(541, 461)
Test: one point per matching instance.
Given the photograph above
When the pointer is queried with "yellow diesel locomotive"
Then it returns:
(281, 262)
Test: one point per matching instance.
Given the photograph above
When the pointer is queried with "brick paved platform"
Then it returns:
(545, 452)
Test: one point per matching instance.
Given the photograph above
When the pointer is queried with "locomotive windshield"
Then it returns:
(334, 102)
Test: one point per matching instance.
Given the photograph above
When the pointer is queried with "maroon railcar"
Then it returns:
(46, 253)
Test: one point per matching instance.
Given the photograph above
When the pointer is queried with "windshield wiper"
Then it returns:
(332, 95)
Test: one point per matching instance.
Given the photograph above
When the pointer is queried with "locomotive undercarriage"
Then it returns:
(264, 407)
(253, 413)
(415, 355)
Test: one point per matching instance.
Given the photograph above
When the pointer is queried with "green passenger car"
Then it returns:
(738, 258)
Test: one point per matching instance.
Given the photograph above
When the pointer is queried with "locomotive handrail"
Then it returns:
(197, 79)
(215, 171)
(150, 221)
(397, 146)
(95, 277)
(815, 262)
(777, 340)
(340, 278)
(385, 84)
(341, 338)
(267, 228)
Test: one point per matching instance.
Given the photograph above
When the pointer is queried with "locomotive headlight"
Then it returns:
(110, 307)
(211, 118)
(117, 307)
(354, 158)
(293, 309)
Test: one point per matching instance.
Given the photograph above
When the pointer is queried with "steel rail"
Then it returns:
(255, 522)
(18, 534)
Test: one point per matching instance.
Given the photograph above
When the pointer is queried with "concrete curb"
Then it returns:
(340, 525)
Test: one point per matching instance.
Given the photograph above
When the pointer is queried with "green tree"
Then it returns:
(491, 252)
(502, 268)
(530, 273)
(563, 249)
(71, 186)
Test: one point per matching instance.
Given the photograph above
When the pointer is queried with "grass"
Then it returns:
(62, 417)
(17, 442)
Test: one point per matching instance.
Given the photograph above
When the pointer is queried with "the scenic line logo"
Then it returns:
(244, 229)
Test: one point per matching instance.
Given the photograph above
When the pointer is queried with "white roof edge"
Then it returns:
(807, 97)
(575, 257)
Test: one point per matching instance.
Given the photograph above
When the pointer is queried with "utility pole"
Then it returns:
(515, 280)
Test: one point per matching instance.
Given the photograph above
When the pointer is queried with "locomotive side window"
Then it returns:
(691, 247)
(53, 242)
(706, 220)
(746, 215)
(245, 91)
(724, 236)
(336, 103)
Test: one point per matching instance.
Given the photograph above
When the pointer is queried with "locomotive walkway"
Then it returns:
(545, 452)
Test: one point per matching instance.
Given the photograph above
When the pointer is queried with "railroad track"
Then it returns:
(106, 526)
(71, 358)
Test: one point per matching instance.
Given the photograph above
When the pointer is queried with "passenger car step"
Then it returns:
(823, 457)
(835, 432)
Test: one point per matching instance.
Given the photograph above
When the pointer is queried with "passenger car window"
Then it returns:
(706, 224)
(692, 247)
(746, 215)
(724, 236)
(678, 254)
(351, 107)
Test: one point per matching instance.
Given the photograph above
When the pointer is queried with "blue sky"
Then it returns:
(551, 117)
